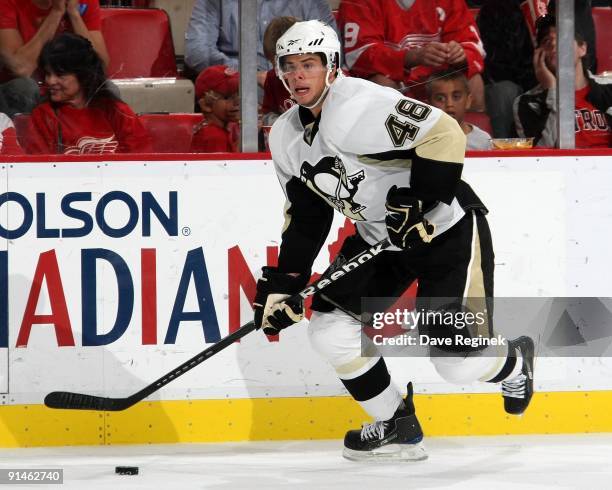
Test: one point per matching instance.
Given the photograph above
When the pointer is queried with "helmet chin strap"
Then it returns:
(323, 94)
(339, 74)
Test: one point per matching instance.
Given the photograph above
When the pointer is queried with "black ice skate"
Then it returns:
(517, 391)
(398, 438)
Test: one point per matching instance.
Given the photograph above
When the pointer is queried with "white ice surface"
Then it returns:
(506, 462)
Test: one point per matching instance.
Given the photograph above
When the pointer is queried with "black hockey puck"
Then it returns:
(126, 470)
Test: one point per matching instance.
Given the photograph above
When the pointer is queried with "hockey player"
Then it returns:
(393, 165)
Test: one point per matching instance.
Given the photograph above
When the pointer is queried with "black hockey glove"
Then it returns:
(406, 224)
(272, 313)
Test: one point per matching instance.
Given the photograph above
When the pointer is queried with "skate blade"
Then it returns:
(391, 452)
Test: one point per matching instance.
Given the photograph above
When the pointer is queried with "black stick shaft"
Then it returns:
(69, 400)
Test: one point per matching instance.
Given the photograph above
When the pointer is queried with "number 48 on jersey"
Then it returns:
(401, 129)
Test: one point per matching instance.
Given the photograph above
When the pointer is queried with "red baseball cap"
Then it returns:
(219, 78)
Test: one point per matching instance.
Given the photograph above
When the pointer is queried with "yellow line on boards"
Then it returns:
(295, 418)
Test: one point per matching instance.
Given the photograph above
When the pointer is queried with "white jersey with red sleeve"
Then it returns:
(377, 34)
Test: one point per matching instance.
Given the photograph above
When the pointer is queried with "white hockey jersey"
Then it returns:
(367, 139)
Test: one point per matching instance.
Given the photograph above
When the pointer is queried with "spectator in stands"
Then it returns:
(508, 65)
(25, 26)
(450, 92)
(212, 34)
(535, 112)
(276, 97)
(400, 43)
(506, 28)
(8, 137)
(81, 114)
(583, 19)
(217, 93)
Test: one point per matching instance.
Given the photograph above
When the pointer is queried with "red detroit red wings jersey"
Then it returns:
(592, 129)
(377, 33)
(26, 17)
(210, 138)
(107, 127)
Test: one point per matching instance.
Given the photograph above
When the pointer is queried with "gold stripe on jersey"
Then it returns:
(444, 142)
(474, 289)
(287, 221)
(405, 163)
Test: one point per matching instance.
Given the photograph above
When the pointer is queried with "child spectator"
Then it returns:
(81, 114)
(450, 92)
(216, 90)
(507, 28)
(276, 99)
(8, 137)
(535, 112)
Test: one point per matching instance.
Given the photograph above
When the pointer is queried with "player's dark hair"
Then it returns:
(71, 54)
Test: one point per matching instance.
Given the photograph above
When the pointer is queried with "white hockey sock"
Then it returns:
(518, 366)
(383, 405)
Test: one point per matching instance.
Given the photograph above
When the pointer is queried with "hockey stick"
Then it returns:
(80, 401)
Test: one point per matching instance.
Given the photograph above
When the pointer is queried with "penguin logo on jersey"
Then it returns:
(329, 179)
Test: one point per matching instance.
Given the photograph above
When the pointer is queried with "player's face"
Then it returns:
(450, 96)
(305, 74)
(64, 89)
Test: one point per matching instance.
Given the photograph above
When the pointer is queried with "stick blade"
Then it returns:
(80, 401)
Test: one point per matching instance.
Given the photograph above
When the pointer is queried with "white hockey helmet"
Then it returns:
(311, 36)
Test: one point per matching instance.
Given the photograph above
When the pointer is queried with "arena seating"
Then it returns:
(21, 122)
(142, 60)
(602, 16)
(171, 133)
(179, 12)
(139, 43)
